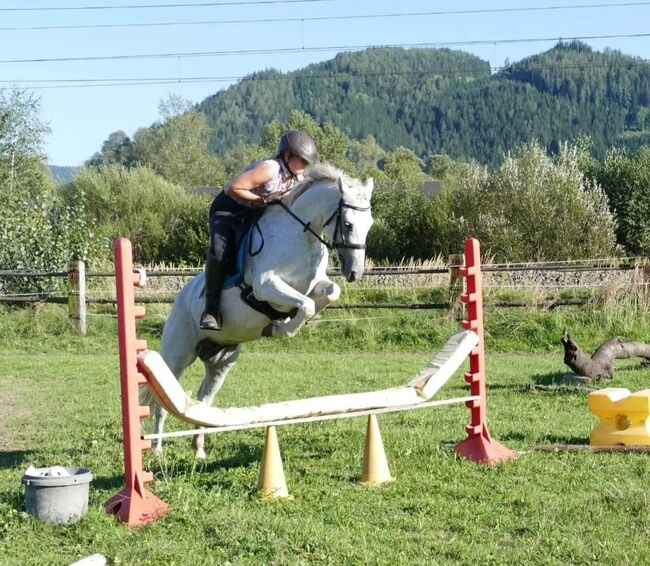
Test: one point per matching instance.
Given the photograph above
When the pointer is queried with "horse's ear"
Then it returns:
(369, 185)
(339, 182)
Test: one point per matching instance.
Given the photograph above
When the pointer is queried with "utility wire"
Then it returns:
(147, 6)
(291, 50)
(104, 82)
(327, 18)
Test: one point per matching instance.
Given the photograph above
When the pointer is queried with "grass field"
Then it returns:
(60, 405)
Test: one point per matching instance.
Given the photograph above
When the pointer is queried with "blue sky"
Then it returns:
(81, 118)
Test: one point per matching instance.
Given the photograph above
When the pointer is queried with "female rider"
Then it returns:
(231, 211)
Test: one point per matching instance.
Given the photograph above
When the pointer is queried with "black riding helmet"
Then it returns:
(297, 142)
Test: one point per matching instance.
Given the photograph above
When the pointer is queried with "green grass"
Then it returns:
(60, 405)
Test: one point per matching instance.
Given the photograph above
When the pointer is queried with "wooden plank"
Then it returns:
(306, 420)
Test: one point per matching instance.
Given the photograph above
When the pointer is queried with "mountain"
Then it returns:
(367, 92)
(63, 174)
(442, 101)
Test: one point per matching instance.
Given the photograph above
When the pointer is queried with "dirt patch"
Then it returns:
(12, 408)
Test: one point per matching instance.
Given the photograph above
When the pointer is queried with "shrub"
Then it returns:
(533, 208)
(625, 179)
(163, 221)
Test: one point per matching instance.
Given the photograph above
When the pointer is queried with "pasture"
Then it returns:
(60, 405)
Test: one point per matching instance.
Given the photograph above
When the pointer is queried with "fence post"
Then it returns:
(456, 282)
(77, 296)
(456, 261)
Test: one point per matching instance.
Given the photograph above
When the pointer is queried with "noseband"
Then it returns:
(338, 235)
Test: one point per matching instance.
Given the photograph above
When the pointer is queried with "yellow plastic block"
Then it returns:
(624, 417)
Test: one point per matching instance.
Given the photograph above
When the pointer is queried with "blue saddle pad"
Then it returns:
(236, 272)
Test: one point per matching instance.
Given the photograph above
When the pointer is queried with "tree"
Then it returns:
(117, 149)
(21, 137)
(366, 154)
(178, 147)
(404, 164)
(332, 143)
(37, 230)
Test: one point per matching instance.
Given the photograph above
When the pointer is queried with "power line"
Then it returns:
(146, 6)
(328, 18)
(107, 82)
(291, 50)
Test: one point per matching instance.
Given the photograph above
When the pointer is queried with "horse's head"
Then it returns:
(353, 221)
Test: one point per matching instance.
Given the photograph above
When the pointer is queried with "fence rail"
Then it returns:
(611, 264)
(77, 299)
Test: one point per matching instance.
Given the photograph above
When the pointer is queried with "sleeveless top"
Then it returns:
(282, 182)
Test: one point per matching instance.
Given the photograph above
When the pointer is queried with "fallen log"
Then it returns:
(599, 365)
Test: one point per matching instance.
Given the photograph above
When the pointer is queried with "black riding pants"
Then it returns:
(229, 221)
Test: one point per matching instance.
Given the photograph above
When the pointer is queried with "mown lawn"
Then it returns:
(62, 407)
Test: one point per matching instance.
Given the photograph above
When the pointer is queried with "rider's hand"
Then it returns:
(273, 197)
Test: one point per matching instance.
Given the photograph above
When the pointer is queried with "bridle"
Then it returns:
(338, 237)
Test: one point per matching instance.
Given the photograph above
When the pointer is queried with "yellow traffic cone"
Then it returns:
(375, 466)
(272, 483)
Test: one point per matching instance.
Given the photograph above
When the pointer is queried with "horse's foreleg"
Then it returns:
(324, 293)
(218, 362)
(274, 290)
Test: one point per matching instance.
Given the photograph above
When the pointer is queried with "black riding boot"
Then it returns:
(215, 275)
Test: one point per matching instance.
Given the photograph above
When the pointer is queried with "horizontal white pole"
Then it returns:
(317, 418)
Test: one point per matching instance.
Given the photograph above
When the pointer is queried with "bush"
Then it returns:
(533, 208)
(404, 222)
(626, 179)
(164, 223)
(38, 231)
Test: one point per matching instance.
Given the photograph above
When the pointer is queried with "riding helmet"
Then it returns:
(297, 142)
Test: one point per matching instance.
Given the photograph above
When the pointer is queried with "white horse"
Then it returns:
(286, 264)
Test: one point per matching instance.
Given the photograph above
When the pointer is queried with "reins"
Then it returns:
(337, 228)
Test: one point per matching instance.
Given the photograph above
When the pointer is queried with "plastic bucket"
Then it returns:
(57, 499)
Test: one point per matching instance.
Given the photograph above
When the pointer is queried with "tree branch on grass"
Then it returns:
(599, 365)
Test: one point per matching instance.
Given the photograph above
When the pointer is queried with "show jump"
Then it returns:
(137, 506)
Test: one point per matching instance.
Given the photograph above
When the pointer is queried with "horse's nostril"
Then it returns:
(352, 277)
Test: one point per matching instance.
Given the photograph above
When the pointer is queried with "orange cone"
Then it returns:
(375, 466)
(272, 483)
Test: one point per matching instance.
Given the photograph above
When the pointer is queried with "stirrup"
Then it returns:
(210, 321)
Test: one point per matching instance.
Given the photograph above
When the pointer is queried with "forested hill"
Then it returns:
(442, 101)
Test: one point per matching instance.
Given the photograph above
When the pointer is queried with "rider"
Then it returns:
(231, 211)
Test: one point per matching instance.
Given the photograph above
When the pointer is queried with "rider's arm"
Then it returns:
(241, 187)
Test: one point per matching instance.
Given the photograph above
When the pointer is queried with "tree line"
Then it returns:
(155, 189)
(442, 101)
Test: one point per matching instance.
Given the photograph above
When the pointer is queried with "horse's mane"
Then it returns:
(321, 172)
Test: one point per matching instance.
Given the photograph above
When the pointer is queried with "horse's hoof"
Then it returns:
(200, 455)
(333, 292)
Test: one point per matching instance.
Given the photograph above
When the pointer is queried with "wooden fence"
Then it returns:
(77, 297)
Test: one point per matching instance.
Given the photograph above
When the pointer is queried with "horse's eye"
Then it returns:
(348, 225)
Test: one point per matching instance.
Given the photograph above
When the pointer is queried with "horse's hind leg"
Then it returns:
(178, 356)
(218, 361)
(177, 364)
(159, 418)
